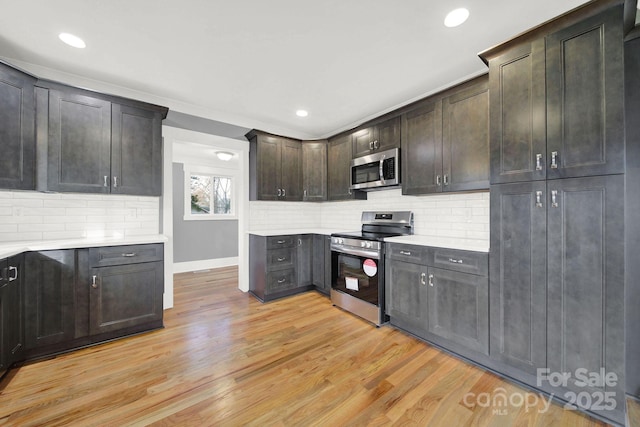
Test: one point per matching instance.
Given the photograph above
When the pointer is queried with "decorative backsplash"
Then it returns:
(49, 216)
(460, 215)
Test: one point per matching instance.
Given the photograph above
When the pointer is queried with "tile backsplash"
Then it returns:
(460, 215)
(48, 216)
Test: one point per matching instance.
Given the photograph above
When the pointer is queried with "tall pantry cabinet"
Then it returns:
(557, 276)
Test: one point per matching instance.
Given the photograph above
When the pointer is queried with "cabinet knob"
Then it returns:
(280, 259)
(405, 253)
(282, 280)
(13, 276)
(94, 284)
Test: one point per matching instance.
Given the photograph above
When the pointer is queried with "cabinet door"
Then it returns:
(421, 154)
(388, 134)
(125, 296)
(585, 83)
(459, 308)
(49, 297)
(465, 139)
(305, 256)
(314, 171)
(17, 134)
(79, 153)
(291, 170)
(518, 273)
(517, 114)
(364, 141)
(406, 294)
(4, 325)
(339, 170)
(136, 151)
(12, 315)
(585, 280)
(268, 167)
(318, 261)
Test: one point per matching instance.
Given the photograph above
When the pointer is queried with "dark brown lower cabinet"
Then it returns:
(321, 263)
(11, 325)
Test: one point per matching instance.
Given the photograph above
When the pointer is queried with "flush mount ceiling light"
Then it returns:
(302, 113)
(224, 155)
(72, 40)
(456, 17)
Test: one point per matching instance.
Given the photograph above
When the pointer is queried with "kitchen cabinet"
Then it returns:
(127, 286)
(445, 141)
(321, 263)
(314, 171)
(17, 129)
(11, 323)
(378, 137)
(439, 294)
(304, 258)
(96, 145)
(339, 170)
(557, 103)
(275, 167)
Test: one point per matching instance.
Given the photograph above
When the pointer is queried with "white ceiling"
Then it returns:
(253, 63)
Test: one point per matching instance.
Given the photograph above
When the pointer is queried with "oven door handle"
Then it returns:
(357, 252)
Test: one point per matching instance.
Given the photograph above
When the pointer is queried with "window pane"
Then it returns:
(222, 195)
(201, 186)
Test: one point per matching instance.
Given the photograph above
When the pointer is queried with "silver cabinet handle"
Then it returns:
(538, 199)
(94, 285)
(280, 259)
(282, 280)
(538, 162)
(554, 198)
(370, 145)
(349, 191)
(305, 194)
(431, 280)
(422, 282)
(129, 255)
(13, 270)
(106, 181)
(554, 160)
(438, 180)
(279, 192)
(446, 179)
(299, 242)
(115, 182)
(284, 192)
(281, 242)
(405, 253)
(455, 261)
(375, 144)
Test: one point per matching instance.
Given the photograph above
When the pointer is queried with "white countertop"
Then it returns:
(13, 248)
(442, 242)
(290, 231)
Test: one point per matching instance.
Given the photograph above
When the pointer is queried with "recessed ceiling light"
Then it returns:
(224, 155)
(302, 113)
(72, 40)
(456, 17)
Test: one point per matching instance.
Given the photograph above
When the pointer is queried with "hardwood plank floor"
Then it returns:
(225, 359)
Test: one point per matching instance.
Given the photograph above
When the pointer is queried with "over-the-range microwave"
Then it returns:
(375, 171)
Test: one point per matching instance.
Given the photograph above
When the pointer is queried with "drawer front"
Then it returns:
(281, 281)
(128, 254)
(463, 261)
(279, 259)
(276, 242)
(407, 253)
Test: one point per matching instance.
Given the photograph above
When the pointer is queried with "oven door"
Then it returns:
(358, 275)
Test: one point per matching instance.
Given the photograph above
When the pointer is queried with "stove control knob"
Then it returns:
(362, 244)
(340, 241)
(368, 244)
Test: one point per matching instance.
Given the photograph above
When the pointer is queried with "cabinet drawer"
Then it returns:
(276, 242)
(280, 281)
(128, 254)
(408, 253)
(278, 259)
(464, 261)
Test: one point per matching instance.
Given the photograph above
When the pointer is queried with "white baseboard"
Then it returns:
(183, 267)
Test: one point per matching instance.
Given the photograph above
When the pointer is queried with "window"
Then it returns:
(208, 195)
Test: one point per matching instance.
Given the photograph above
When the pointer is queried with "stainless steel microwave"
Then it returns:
(376, 170)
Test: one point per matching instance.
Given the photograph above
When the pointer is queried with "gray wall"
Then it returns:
(199, 240)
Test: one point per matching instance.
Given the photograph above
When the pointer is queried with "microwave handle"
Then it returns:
(382, 169)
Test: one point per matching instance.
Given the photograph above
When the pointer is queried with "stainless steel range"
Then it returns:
(357, 263)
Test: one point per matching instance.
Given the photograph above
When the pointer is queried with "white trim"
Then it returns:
(167, 217)
(184, 267)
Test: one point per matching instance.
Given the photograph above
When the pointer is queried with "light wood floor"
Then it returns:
(225, 359)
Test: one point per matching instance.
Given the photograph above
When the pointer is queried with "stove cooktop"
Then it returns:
(365, 235)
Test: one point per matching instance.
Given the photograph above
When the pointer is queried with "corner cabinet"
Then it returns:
(339, 173)
(275, 167)
(17, 129)
(445, 141)
(98, 144)
(314, 171)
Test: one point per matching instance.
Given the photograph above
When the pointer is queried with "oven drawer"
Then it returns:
(277, 242)
(408, 253)
(463, 261)
(281, 281)
(278, 259)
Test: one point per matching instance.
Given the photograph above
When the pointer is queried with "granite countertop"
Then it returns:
(13, 248)
(475, 245)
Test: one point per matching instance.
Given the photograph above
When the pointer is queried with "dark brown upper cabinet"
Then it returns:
(339, 170)
(557, 103)
(445, 141)
(17, 129)
(275, 167)
(95, 144)
(379, 137)
(314, 171)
